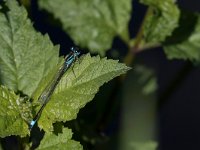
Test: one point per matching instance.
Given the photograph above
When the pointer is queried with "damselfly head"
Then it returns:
(75, 50)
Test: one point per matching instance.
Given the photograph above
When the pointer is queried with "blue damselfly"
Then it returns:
(46, 94)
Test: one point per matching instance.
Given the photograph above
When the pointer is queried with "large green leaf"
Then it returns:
(162, 20)
(28, 62)
(77, 87)
(26, 56)
(92, 23)
(185, 41)
(62, 141)
(12, 111)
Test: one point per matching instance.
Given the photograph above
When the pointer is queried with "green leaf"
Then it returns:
(92, 24)
(12, 113)
(78, 87)
(26, 56)
(185, 41)
(46, 81)
(161, 21)
(62, 141)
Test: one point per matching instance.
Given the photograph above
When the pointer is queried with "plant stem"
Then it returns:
(149, 46)
(136, 47)
(139, 37)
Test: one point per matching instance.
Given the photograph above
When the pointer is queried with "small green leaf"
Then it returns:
(62, 141)
(185, 41)
(26, 56)
(162, 20)
(92, 23)
(12, 113)
(78, 87)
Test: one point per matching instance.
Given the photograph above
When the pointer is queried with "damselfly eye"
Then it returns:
(72, 49)
(75, 50)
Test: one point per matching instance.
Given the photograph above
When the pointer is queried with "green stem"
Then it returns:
(139, 37)
(148, 46)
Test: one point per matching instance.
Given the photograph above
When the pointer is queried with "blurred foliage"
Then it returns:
(140, 106)
(92, 23)
(185, 41)
(144, 145)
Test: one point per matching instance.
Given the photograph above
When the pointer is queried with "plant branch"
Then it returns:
(148, 46)
(139, 37)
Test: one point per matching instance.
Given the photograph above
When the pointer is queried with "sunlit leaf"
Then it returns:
(138, 112)
(78, 87)
(12, 113)
(26, 56)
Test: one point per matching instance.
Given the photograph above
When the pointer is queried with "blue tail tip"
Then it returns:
(32, 124)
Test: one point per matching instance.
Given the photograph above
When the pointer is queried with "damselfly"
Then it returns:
(46, 94)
